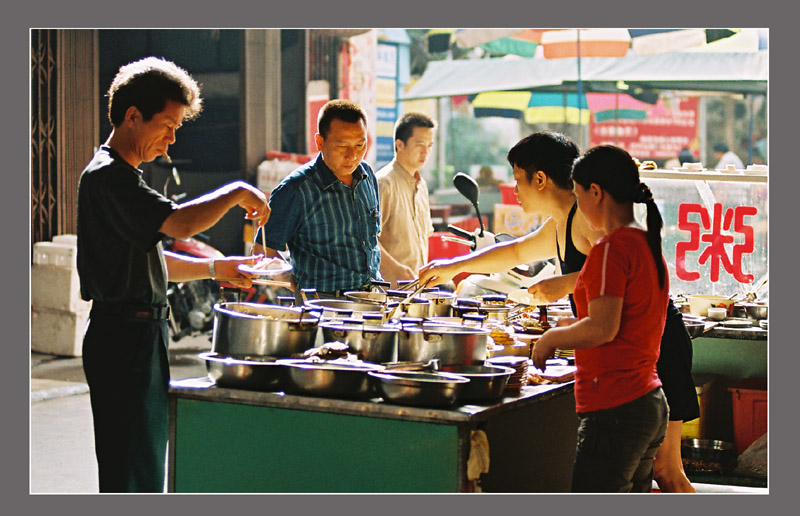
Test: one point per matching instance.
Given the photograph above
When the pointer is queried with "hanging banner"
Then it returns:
(361, 82)
(386, 102)
(646, 131)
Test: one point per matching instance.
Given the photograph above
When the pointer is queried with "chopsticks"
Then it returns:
(410, 285)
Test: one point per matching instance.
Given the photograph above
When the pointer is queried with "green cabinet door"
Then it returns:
(232, 448)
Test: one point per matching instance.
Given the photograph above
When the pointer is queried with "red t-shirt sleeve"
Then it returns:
(606, 271)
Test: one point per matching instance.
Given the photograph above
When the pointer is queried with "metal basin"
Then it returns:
(451, 345)
(421, 389)
(708, 455)
(372, 342)
(252, 329)
(249, 373)
(486, 383)
(330, 379)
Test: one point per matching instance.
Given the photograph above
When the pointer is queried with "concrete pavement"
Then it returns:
(62, 456)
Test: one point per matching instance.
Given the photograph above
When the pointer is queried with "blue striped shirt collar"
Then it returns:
(327, 178)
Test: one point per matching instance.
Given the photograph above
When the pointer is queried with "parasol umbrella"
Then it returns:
(580, 43)
(533, 107)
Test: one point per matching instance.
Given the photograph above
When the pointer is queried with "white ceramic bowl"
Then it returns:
(717, 314)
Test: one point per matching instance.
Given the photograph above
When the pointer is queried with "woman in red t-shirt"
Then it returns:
(621, 298)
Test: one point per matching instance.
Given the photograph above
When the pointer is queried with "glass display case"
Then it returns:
(715, 229)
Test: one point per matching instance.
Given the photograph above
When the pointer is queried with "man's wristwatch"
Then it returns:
(212, 271)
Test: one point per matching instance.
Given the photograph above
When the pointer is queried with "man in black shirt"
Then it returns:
(123, 269)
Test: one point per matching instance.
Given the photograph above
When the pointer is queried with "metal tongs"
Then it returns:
(408, 299)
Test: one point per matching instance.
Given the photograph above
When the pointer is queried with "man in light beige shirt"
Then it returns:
(405, 211)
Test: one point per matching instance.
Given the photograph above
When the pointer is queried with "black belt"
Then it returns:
(135, 311)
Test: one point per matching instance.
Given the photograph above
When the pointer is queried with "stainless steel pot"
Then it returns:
(441, 303)
(417, 388)
(371, 341)
(249, 373)
(486, 383)
(756, 311)
(340, 308)
(331, 379)
(463, 307)
(251, 329)
(414, 307)
(451, 345)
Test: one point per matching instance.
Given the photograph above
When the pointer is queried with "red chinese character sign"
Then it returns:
(647, 131)
(714, 232)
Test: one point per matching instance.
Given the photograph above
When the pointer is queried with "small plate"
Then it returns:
(277, 266)
(737, 323)
(681, 169)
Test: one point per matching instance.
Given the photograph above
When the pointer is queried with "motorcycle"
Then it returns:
(521, 276)
(192, 302)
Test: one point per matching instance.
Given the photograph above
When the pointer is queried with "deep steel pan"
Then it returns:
(451, 345)
(252, 329)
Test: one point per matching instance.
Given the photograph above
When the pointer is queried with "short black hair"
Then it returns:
(339, 109)
(404, 127)
(147, 84)
(552, 153)
(720, 147)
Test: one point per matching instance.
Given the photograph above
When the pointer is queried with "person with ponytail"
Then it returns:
(621, 296)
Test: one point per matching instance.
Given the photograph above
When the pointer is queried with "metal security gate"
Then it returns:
(64, 125)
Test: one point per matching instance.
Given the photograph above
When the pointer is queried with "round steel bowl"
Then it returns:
(252, 329)
(695, 328)
(330, 379)
(451, 345)
(486, 383)
(441, 303)
(340, 308)
(708, 455)
(420, 389)
(249, 373)
(372, 342)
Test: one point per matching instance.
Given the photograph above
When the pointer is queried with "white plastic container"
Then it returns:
(52, 253)
(56, 332)
(67, 239)
(57, 288)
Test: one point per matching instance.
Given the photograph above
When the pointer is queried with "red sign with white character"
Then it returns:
(646, 131)
(715, 232)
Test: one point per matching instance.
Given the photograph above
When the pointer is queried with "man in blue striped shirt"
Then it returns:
(327, 211)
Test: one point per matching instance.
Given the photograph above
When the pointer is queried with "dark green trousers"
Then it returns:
(127, 368)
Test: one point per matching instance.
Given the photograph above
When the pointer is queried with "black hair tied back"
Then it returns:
(644, 194)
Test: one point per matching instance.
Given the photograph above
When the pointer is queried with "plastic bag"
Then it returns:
(753, 461)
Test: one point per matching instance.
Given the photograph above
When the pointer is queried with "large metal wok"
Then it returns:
(252, 329)
(424, 389)
(332, 379)
(249, 373)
